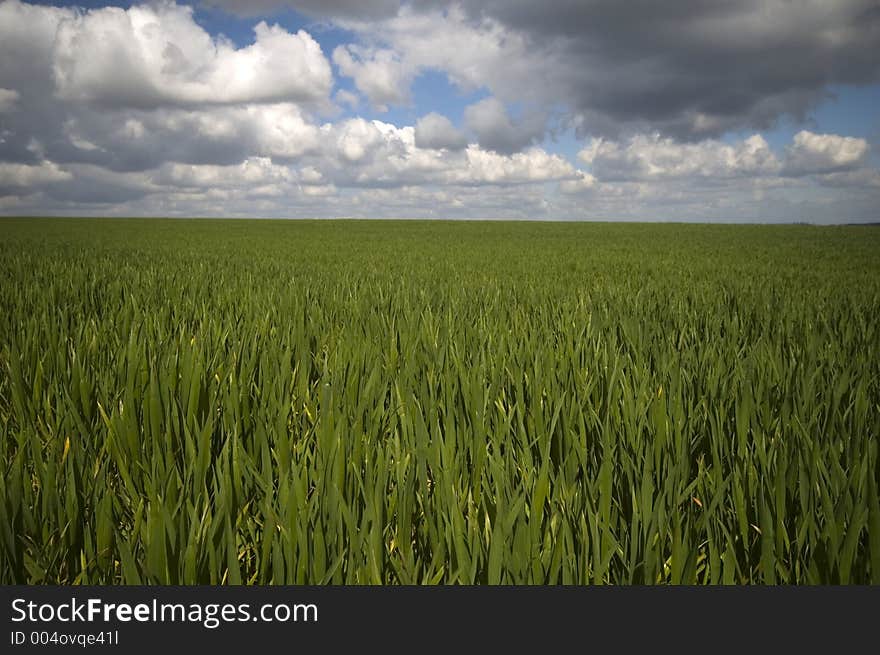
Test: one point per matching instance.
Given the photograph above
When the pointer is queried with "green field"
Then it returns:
(438, 402)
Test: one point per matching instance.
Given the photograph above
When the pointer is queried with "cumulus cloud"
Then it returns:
(436, 131)
(473, 53)
(153, 55)
(824, 153)
(655, 157)
(584, 183)
(533, 165)
(378, 73)
(253, 172)
(358, 152)
(27, 37)
(140, 140)
(28, 176)
(355, 140)
(130, 89)
(740, 180)
(280, 130)
(495, 130)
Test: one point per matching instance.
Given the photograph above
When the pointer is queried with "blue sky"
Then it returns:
(766, 112)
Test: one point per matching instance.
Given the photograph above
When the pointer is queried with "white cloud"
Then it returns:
(458, 202)
(311, 175)
(254, 171)
(132, 129)
(347, 98)
(8, 99)
(354, 139)
(654, 157)
(318, 190)
(27, 38)
(646, 158)
(281, 130)
(357, 152)
(533, 165)
(139, 140)
(436, 131)
(585, 182)
(25, 175)
(378, 73)
(154, 55)
(824, 153)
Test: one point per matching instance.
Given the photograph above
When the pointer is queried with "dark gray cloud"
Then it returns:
(695, 68)
(357, 9)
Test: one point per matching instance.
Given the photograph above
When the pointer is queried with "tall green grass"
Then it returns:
(401, 402)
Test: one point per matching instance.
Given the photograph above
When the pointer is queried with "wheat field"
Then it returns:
(402, 402)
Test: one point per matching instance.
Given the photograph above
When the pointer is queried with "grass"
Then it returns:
(427, 402)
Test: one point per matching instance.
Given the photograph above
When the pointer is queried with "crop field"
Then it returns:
(396, 402)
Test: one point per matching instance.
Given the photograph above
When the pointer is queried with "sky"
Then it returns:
(687, 110)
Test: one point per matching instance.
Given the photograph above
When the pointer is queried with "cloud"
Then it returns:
(157, 55)
(130, 89)
(584, 183)
(280, 131)
(378, 73)
(691, 69)
(495, 130)
(90, 185)
(132, 140)
(347, 98)
(142, 112)
(27, 176)
(473, 53)
(363, 153)
(698, 68)
(863, 178)
(8, 99)
(651, 176)
(824, 153)
(644, 157)
(359, 9)
(27, 38)
(655, 157)
(253, 172)
(533, 165)
(355, 140)
(437, 132)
